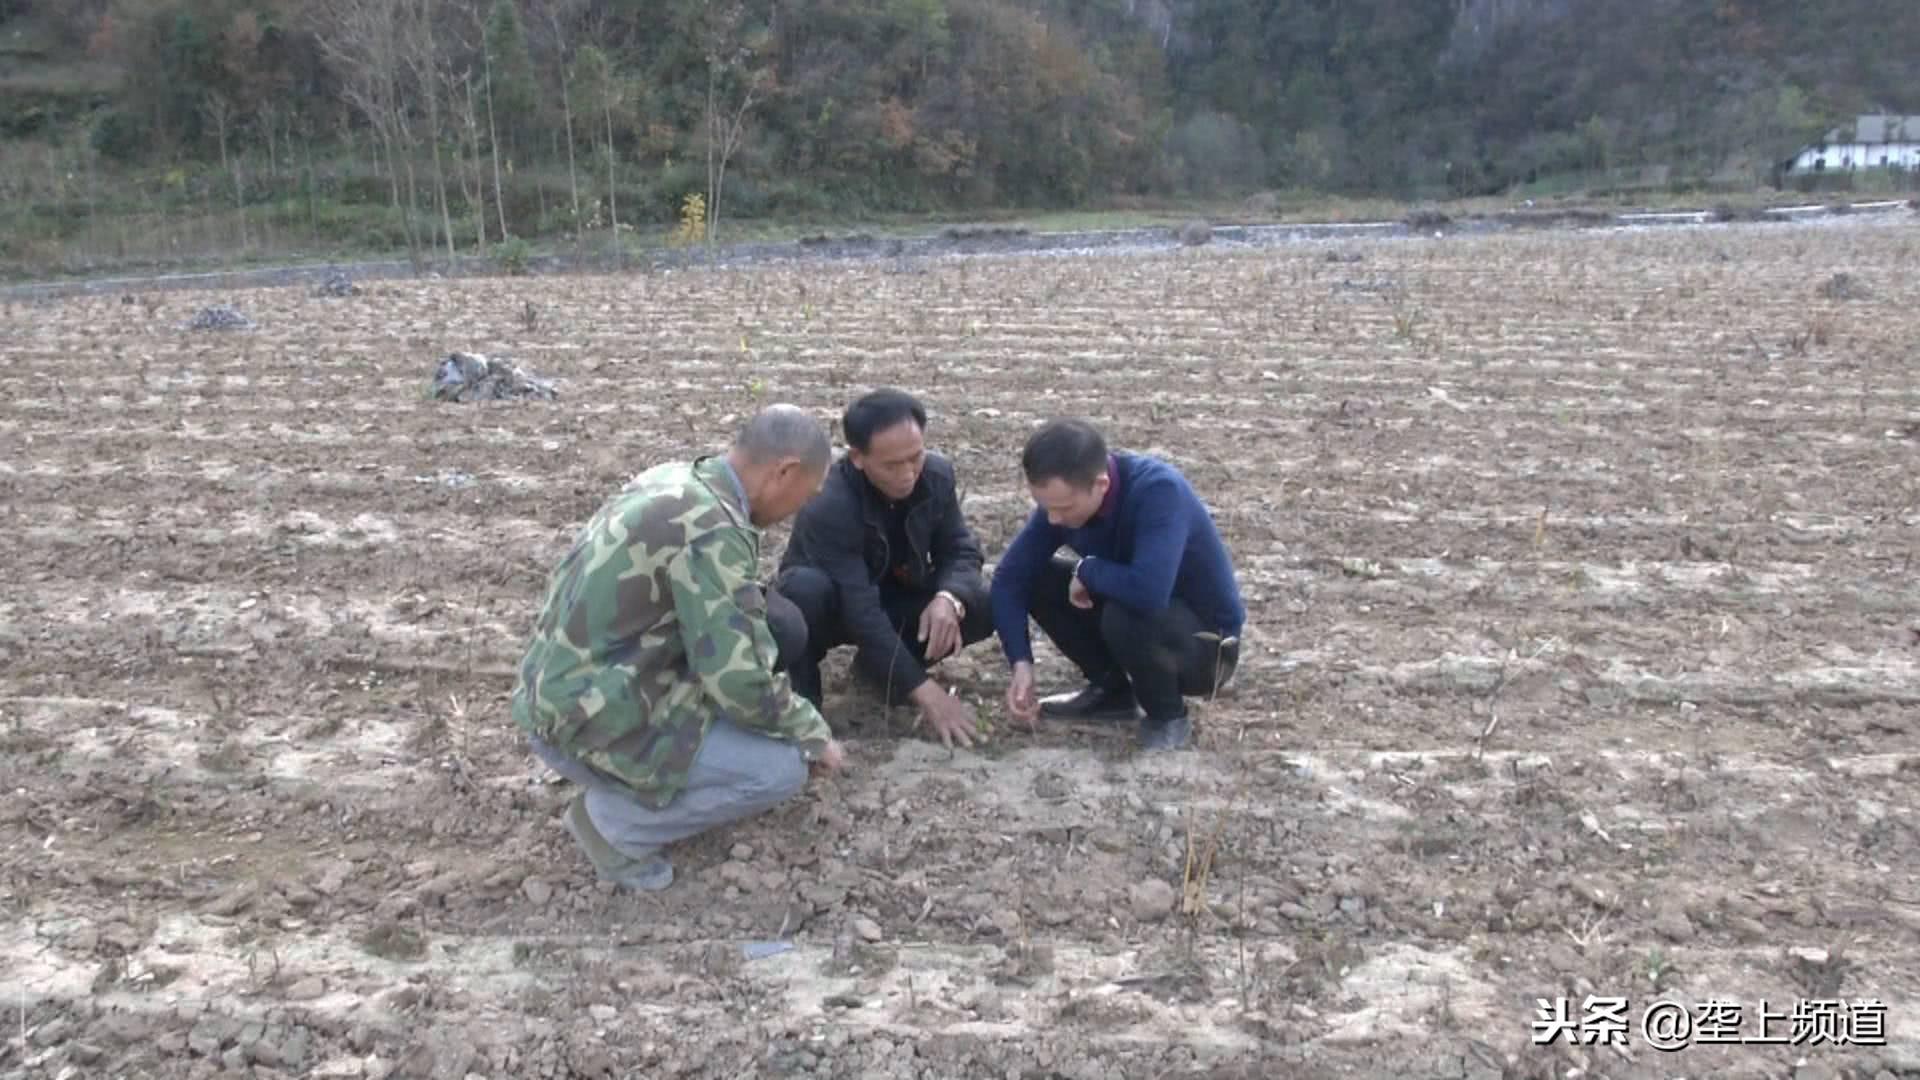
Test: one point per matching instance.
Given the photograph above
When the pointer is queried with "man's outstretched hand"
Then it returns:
(940, 629)
(1078, 595)
(831, 760)
(950, 718)
(1021, 701)
(954, 720)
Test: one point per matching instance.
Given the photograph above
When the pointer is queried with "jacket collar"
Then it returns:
(720, 479)
(873, 504)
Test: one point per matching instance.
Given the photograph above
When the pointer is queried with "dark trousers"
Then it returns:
(789, 629)
(1113, 645)
(803, 610)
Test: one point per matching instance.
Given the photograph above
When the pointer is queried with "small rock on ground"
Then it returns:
(538, 892)
(1672, 923)
(1151, 900)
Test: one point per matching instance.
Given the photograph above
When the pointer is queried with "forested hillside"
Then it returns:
(437, 122)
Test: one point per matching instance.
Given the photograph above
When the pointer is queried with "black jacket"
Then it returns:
(843, 532)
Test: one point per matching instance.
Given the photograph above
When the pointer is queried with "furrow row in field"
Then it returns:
(1442, 655)
(1579, 586)
(1436, 410)
(283, 765)
(265, 1018)
(1390, 305)
(1280, 700)
(1272, 358)
(399, 609)
(1212, 301)
(1573, 497)
(1328, 315)
(1530, 584)
(1217, 306)
(65, 459)
(1306, 513)
(1667, 554)
(1073, 286)
(1124, 1011)
(1295, 448)
(376, 743)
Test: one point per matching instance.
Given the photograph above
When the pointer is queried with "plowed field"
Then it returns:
(1582, 662)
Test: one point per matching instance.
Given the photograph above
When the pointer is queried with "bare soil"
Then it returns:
(1582, 662)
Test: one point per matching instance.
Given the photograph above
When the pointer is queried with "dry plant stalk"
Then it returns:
(1199, 867)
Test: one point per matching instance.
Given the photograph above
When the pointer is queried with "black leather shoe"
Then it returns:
(1170, 734)
(1226, 657)
(1095, 702)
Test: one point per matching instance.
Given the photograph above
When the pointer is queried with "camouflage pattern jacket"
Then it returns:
(653, 627)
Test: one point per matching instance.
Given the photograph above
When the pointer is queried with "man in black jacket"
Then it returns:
(882, 559)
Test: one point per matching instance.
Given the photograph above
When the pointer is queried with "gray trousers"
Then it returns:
(736, 774)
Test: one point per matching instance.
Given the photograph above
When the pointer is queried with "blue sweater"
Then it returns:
(1152, 541)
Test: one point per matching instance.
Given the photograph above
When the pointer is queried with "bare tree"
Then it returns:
(596, 72)
(732, 68)
(573, 173)
(493, 129)
(424, 58)
(477, 194)
(610, 93)
(221, 114)
(723, 138)
(361, 41)
(271, 116)
(561, 14)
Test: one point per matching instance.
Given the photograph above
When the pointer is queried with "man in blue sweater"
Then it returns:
(1147, 608)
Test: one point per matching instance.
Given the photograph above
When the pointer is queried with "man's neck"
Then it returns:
(1112, 497)
(887, 502)
(737, 470)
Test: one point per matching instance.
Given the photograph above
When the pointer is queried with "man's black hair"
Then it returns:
(878, 411)
(1072, 450)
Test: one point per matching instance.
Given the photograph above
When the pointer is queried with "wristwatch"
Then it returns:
(959, 609)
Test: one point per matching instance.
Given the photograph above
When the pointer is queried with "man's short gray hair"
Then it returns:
(784, 431)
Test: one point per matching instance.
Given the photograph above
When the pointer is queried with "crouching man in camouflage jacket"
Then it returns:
(653, 679)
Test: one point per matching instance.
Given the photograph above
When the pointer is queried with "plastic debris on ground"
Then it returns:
(220, 317)
(760, 950)
(337, 285)
(465, 376)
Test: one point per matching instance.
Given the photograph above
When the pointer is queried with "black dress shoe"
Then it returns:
(1226, 657)
(1095, 702)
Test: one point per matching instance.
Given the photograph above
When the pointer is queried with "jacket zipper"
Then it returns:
(886, 545)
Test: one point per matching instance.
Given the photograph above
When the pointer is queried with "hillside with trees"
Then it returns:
(127, 126)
